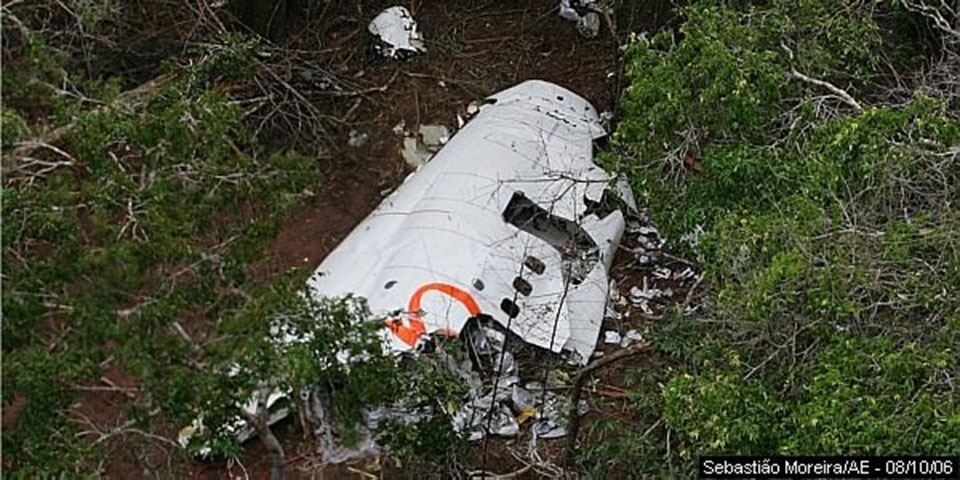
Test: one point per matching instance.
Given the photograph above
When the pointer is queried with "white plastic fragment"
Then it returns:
(398, 31)
(611, 337)
(434, 136)
(419, 148)
(662, 273)
(586, 14)
(684, 274)
(614, 296)
(400, 127)
(567, 11)
(631, 337)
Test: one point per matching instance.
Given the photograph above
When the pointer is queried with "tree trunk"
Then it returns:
(260, 422)
(272, 445)
(573, 415)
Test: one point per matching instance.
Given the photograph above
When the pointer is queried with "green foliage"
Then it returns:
(721, 412)
(284, 341)
(862, 396)
(13, 127)
(158, 219)
(867, 396)
(829, 239)
(421, 442)
(427, 382)
(723, 92)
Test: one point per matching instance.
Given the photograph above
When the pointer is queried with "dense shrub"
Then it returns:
(827, 233)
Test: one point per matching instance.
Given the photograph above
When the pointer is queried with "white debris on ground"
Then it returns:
(418, 148)
(662, 281)
(521, 347)
(612, 337)
(631, 337)
(397, 32)
(517, 402)
(357, 138)
(503, 408)
(586, 13)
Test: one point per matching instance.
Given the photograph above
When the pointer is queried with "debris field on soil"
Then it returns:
(375, 103)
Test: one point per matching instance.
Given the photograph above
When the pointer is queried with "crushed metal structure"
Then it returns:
(504, 238)
(511, 219)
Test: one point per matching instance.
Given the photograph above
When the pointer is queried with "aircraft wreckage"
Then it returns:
(510, 222)
(511, 219)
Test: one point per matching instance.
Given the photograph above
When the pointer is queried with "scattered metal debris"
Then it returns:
(505, 202)
(589, 25)
(397, 32)
(631, 337)
(586, 13)
(510, 221)
(508, 232)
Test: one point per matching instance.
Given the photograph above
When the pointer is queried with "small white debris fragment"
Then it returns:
(399, 128)
(614, 295)
(418, 149)
(612, 337)
(631, 337)
(398, 31)
(589, 25)
(357, 139)
(567, 11)
(645, 307)
(434, 136)
(647, 243)
(684, 274)
(473, 108)
(662, 273)
(412, 153)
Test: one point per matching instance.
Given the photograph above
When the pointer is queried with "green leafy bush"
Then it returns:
(152, 215)
(828, 237)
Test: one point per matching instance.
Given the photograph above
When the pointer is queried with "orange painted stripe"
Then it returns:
(456, 293)
(410, 334)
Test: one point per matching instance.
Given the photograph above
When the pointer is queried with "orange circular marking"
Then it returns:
(410, 334)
